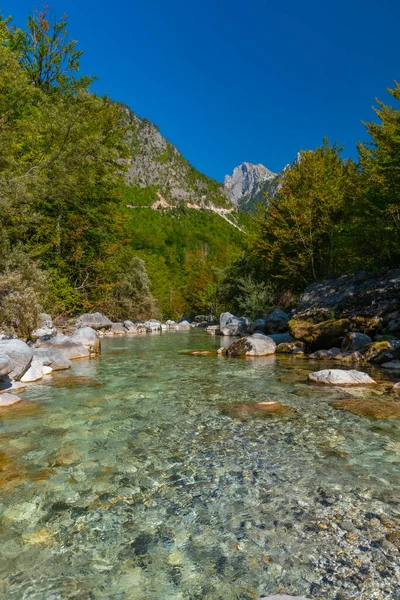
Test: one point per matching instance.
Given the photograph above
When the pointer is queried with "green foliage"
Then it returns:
(23, 291)
(46, 54)
(375, 210)
(297, 237)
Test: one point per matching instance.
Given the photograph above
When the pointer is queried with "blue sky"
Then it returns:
(229, 81)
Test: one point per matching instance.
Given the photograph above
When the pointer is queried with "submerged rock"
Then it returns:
(371, 408)
(341, 377)
(252, 345)
(20, 355)
(257, 409)
(8, 400)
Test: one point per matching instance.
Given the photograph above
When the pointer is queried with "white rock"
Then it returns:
(35, 371)
(47, 370)
(8, 400)
(252, 345)
(341, 377)
(53, 358)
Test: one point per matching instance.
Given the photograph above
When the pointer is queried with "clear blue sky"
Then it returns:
(229, 81)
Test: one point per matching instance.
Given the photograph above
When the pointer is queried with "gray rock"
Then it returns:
(290, 347)
(325, 354)
(88, 337)
(258, 325)
(393, 364)
(117, 329)
(8, 400)
(52, 357)
(353, 341)
(341, 377)
(153, 325)
(130, 327)
(94, 320)
(71, 349)
(42, 332)
(184, 325)
(46, 322)
(282, 338)
(277, 322)
(171, 324)
(252, 345)
(20, 355)
(6, 365)
(35, 371)
(231, 325)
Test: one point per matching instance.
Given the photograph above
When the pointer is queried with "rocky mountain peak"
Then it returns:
(246, 181)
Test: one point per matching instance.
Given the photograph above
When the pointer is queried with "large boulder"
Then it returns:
(153, 325)
(35, 371)
(282, 338)
(6, 365)
(341, 377)
(20, 355)
(171, 324)
(93, 320)
(276, 322)
(258, 325)
(355, 340)
(252, 345)
(117, 329)
(130, 327)
(231, 325)
(87, 336)
(324, 334)
(69, 347)
(184, 325)
(52, 357)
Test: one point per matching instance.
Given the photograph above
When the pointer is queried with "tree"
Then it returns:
(297, 235)
(377, 212)
(47, 54)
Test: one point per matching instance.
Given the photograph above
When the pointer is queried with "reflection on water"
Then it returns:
(129, 479)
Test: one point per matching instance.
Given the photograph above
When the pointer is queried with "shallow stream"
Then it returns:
(126, 478)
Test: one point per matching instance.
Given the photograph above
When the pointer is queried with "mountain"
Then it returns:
(248, 182)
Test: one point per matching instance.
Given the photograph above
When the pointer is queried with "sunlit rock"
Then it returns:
(20, 355)
(252, 345)
(341, 377)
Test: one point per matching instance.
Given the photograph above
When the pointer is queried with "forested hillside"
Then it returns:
(75, 167)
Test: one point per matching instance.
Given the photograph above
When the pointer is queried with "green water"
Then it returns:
(127, 479)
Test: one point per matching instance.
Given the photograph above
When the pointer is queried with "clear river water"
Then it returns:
(128, 478)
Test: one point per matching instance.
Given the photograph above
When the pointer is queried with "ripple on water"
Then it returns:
(151, 474)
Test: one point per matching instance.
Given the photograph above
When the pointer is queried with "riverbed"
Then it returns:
(128, 478)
